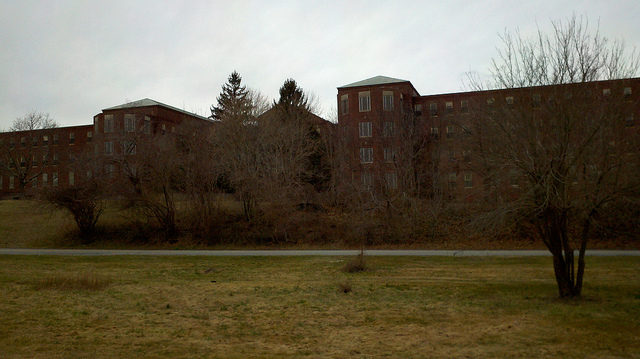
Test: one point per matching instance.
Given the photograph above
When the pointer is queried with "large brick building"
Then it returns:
(49, 157)
(391, 129)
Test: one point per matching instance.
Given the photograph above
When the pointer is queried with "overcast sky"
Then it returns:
(74, 58)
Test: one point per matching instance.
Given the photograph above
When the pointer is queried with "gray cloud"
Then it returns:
(73, 58)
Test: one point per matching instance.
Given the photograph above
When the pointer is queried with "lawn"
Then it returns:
(292, 307)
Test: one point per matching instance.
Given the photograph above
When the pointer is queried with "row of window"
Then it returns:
(366, 129)
(128, 147)
(364, 102)
(34, 160)
(55, 140)
(366, 154)
(43, 181)
(536, 101)
(130, 124)
(390, 180)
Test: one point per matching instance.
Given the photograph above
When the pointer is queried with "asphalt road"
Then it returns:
(276, 253)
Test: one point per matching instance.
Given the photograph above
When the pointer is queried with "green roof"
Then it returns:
(149, 102)
(377, 80)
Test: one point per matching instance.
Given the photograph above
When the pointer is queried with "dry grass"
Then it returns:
(83, 281)
(356, 264)
(290, 307)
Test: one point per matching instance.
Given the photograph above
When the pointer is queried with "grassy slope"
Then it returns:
(291, 308)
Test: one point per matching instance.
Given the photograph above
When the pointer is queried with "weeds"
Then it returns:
(84, 281)
(356, 264)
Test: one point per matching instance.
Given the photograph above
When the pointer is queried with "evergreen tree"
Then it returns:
(233, 101)
(292, 97)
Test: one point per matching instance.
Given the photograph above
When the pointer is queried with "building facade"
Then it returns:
(399, 140)
(64, 156)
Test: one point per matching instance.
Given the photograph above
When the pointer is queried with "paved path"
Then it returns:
(271, 253)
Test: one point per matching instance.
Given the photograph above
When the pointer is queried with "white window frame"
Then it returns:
(147, 125)
(365, 129)
(12, 183)
(72, 178)
(72, 138)
(108, 148)
(129, 122)
(366, 154)
(468, 180)
(391, 180)
(389, 154)
(366, 178)
(344, 104)
(364, 101)
(45, 179)
(388, 129)
(387, 100)
(108, 124)
(54, 179)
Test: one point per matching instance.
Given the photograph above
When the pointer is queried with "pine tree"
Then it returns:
(292, 96)
(233, 101)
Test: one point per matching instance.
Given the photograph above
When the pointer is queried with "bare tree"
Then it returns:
(556, 152)
(25, 150)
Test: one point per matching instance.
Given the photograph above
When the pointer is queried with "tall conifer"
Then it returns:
(233, 101)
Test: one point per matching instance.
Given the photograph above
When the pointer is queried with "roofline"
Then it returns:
(487, 91)
(388, 83)
(157, 103)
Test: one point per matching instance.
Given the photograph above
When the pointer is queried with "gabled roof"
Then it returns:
(146, 102)
(376, 80)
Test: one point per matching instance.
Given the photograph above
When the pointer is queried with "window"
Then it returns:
(388, 154)
(418, 109)
(129, 148)
(34, 161)
(147, 125)
(449, 106)
(54, 179)
(72, 178)
(464, 106)
(391, 180)
(628, 121)
(490, 101)
(55, 159)
(89, 174)
(344, 104)
(45, 178)
(89, 136)
(535, 101)
(34, 141)
(129, 123)
(12, 143)
(23, 141)
(44, 159)
(23, 163)
(55, 139)
(11, 182)
(367, 179)
(387, 129)
(110, 170)
(1, 182)
(452, 179)
(434, 132)
(364, 100)
(164, 128)
(387, 100)
(451, 131)
(468, 180)
(606, 92)
(365, 129)
(513, 178)
(509, 100)
(627, 92)
(466, 155)
(108, 148)
(72, 138)
(34, 182)
(452, 155)
(433, 109)
(108, 123)
(366, 155)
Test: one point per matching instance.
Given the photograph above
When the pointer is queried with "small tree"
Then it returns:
(556, 158)
(82, 201)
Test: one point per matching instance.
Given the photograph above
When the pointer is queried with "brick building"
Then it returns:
(397, 138)
(51, 157)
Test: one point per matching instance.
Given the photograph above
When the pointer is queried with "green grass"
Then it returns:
(292, 307)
